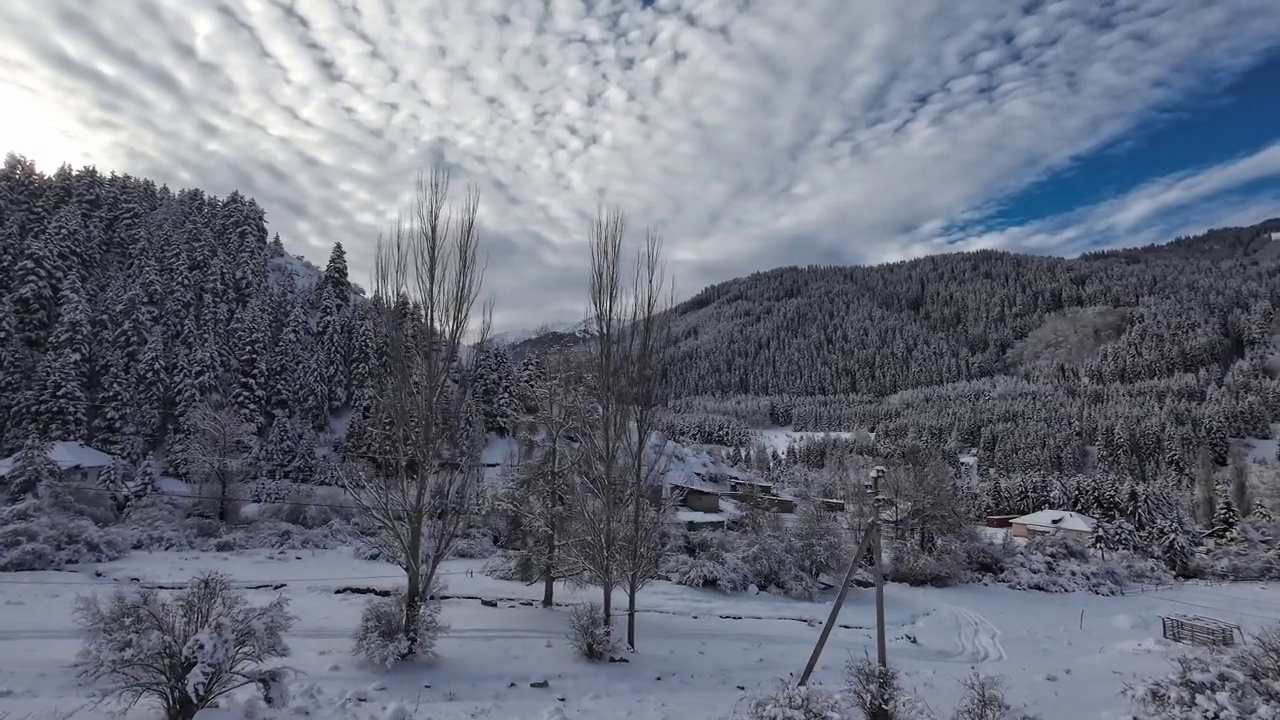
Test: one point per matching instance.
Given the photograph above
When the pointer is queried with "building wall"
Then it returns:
(1025, 531)
(702, 501)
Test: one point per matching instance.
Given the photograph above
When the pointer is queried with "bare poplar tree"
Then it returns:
(416, 494)
(600, 507)
(646, 335)
(541, 495)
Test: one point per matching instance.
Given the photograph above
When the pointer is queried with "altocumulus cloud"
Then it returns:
(751, 133)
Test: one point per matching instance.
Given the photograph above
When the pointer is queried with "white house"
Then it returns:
(1047, 522)
(78, 462)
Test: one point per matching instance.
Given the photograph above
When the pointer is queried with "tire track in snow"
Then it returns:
(979, 640)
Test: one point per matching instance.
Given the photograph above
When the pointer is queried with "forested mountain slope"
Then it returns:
(124, 304)
(1148, 354)
(949, 318)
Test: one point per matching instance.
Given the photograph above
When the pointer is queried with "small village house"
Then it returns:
(1048, 522)
(78, 463)
(697, 499)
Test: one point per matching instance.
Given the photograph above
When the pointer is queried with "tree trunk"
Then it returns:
(608, 611)
(413, 593)
(223, 502)
(549, 573)
(632, 591)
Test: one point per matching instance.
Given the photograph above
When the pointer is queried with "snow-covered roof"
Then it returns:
(66, 455)
(1057, 520)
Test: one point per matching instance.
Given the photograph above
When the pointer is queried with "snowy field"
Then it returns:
(1066, 657)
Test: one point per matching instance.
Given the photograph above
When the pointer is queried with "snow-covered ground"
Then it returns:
(1066, 656)
(780, 438)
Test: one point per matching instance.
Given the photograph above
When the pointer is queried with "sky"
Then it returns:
(751, 134)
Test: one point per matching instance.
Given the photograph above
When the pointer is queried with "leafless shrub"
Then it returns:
(382, 637)
(590, 633)
(876, 691)
(181, 653)
(983, 699)
(793, 703)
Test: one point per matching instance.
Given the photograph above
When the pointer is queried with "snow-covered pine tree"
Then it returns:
(1260, 511)
(34, 298)
(1174, 543)
(531, 374)
(288, 361)
(34, 469)
(494, 385)
(115, 424)
(56, 407)
(249, 395)
(1226, 519)
(334, 330)
(366, 352)
(12, 373)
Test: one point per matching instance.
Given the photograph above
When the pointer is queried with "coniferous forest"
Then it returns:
(1146, 354)
(127, 304)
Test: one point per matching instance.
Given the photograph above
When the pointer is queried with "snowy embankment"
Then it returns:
(1065, 656)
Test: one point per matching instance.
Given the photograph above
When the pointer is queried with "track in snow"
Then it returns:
(979, 640)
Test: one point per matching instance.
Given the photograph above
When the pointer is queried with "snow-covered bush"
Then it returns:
(943, 567)
(84, 502)
(1058, 563)
(164, 523)
(790, 702)
(301, 507)
(1242, 684)
(35, 537)
(474, 542)
(709, 559)
(184, 652)
(589, 632)
(507, 565)
(772, 561)
(984, 557)
(877, 693)
(983, 699)
(382, 637)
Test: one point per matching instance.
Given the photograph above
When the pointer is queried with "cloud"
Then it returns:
(751, 133)
(1156, 211)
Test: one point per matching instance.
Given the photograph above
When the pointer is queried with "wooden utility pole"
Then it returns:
(882, 655)
(872, 487)
(863, 544)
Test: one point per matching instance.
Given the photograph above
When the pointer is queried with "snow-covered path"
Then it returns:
(1066, 656)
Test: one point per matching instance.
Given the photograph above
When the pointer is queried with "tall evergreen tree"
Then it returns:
(56, 408)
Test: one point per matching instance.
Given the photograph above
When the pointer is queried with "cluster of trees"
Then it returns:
(124, 306)
(1147, 428)
(585, 500)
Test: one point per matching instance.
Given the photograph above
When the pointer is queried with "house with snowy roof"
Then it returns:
(78, 463)
(1049, 522)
